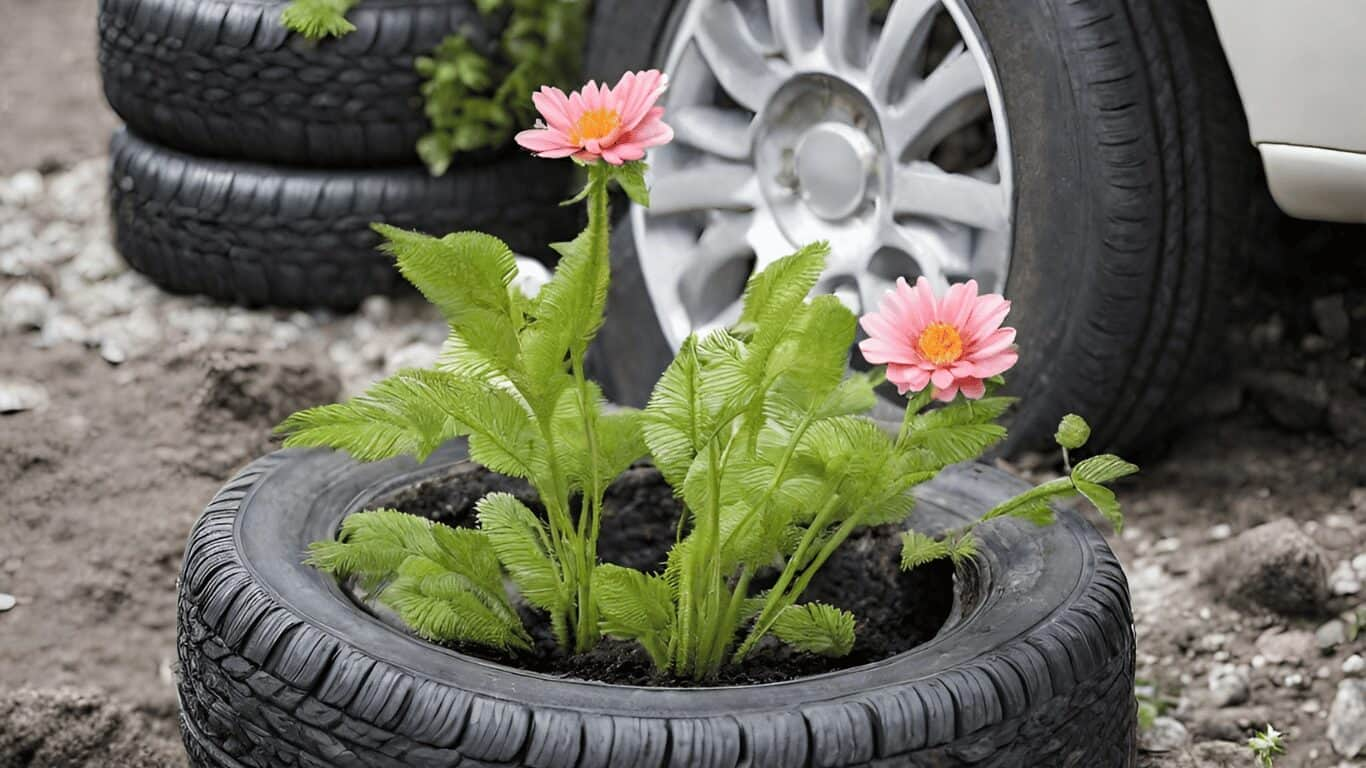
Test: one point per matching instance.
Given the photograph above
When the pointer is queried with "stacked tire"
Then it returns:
(253, 160)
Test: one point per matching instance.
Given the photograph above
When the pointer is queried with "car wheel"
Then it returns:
(1088, 158)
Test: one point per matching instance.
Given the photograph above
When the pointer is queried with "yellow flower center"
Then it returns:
(594, 124)
(940, 343)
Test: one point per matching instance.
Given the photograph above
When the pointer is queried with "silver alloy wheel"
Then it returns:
(882, 132)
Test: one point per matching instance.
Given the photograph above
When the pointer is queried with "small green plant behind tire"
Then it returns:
(475, 97)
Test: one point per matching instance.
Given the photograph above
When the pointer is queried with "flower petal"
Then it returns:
(942, 378)
(973, 389)
(907, 378)
(554, 107)
(985, 368)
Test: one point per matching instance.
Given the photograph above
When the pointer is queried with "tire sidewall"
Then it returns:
(1043, 614)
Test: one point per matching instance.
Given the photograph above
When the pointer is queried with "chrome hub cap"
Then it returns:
(879, 130)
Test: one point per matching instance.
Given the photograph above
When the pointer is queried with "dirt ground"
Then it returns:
(47, 69)
(133, 407)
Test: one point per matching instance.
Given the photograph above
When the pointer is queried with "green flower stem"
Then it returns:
(586, 630)
(779, 472)
(772, 604)
(914, 406)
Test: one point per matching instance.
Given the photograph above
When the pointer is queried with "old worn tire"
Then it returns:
(270, 235)
(278, 666)
(223, 78)
(1135, 194)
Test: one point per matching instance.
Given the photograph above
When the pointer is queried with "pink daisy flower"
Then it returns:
(616, 124)
(953, 343)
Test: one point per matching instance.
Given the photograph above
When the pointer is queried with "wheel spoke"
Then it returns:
(846, 31)
(927, 247)
(944, 102)
(903, 36)
(766, 239)
(723, 319)
(794, 25)
(735, 58)
(704, 187)
(723, 132)
(923, 188)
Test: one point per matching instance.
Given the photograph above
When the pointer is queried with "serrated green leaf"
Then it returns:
(1104, 500)
(569, 312)
(317, 19)
(1036, 511)
(673, 418)
(631, 178)
(781, 287)
(1104, 468)
(521, 542)
(917, 549)
(371, 545)
(460, 273)
(408, 413)
(635, 606)
(816, 628)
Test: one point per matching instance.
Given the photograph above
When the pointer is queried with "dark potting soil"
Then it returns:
(895, 610)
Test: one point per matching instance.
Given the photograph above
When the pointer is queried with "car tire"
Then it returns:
(272, 235)
(1135, 188)
(280, 665)
(224, 78)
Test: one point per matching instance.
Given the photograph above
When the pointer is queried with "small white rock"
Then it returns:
(112, 352)
(18, 395)
(1354, 665)
(376, 309)
(22, 189)
(24, 306)
(1347, 719)
(1220, 532)
(6, 602)
(1166, 734)
(1229, 685)
(1167, 546)
(1359, 564)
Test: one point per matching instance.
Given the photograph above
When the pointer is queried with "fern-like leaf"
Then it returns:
(635, 606)
(673, 418)
(317, 19)
(816, 628)
(405, 414)
(372, 545)
(522, 544)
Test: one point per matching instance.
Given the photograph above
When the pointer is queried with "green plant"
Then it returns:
(760, 429)
(473, 95)
(1265, 745)
(511, 378)
(475, 98)
(316, 19)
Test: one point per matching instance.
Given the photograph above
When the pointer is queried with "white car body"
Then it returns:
(1300, 68)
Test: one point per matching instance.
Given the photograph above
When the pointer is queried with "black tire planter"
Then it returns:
(223, 78)
(1120, 284)
(278, 665)
(273, 235)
